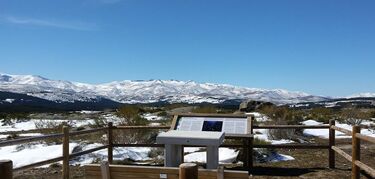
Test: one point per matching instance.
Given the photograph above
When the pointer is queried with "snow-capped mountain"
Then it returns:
(362, 95)
(145, 91)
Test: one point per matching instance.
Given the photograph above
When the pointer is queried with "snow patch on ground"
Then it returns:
(132, 153)
(263, 135)
(89, 112)
(27, 125)
(22, 155)
(32, 123)
(30, 134)
(152, 117)
(324, 133)
(32, 153)
(226, 155)
(9, 100)
(259, 117)
(276, 157)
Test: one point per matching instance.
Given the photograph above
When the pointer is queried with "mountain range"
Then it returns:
(147, 91)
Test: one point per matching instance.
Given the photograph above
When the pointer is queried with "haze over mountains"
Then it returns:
(150, 91)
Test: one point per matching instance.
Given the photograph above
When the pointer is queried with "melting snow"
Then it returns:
(324, 133)
(9, 100)
(226, 155)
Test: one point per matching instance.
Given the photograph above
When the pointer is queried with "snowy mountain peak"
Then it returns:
(362, 95)
(145, 91)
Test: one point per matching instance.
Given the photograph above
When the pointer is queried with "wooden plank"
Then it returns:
(148, 171)
(238, 136)
(291, 127)
(365, 138)
(250, 123)
(188, 171)
(292, 146)
(76, 154)
(174, 122)
(220, 172)
(110, 142)
(249, 154)
(6, 169)
(331, 153)
(65, 152)
(131, 168)
(356, 151)
(75, 133)
(104, 167)
(38, 164)
(342, 153)
(345, 131)
(30, 139)
(138, 145)
(366, 168)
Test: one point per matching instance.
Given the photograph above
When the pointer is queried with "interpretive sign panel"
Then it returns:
(228, 125)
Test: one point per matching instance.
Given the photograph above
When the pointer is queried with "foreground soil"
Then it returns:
(312, 163)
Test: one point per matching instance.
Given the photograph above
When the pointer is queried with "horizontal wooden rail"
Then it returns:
(87, 131)
(76, 154)
(141, 127)
(342, 153)
(138, 145)
(47, 136)
(238, 136)
(291, 127)
(29, 139)
(291, 146)
(38, 164)
(142, 172)
(30, 131)
(366, 138)
(345, 131)
(366, 168)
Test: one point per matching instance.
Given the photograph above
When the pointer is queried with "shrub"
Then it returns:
(372, 114)
(321, 114)
(354, 116)
(204, 109)
(131, 115)
(163, 114)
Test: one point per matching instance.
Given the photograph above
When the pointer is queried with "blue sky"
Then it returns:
(324, 47)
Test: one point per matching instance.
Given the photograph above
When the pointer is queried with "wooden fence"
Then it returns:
(247, 145)
(184, 171)
(355, 158)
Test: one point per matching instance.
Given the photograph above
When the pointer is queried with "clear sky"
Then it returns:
(323, 47)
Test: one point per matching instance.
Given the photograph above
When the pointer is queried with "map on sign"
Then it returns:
(219, 124)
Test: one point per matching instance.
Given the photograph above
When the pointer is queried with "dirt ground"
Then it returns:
(312, 163)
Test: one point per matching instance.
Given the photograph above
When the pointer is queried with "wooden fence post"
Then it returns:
(6, 169)
(188, 171)
(110, 143)
(332, 142)
(250, 146)
(220, 172)
(65, 152)
(105, 171)
(356, 151)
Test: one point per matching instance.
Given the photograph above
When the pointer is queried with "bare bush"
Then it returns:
(279, 116)
(354, 116)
